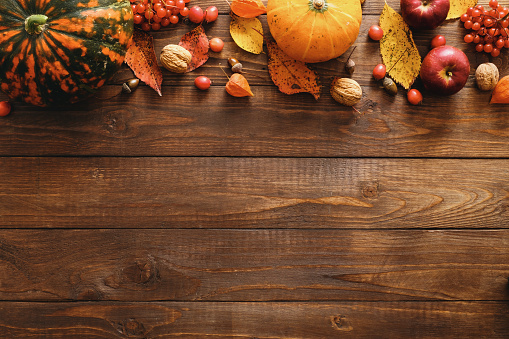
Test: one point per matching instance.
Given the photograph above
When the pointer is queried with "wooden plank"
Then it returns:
(253, 192)
(188, 122)
(253, 265)
(255, 320)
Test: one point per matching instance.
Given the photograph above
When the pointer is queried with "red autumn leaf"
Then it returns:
(197, 43)
(248, 8)
(142, 59)
(238, 86)
(291, 76)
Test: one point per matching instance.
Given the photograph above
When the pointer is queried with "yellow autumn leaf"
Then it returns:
(459, 7)
(247, 33)
(399, 52)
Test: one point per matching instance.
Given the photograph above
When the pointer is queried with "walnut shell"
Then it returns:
(486, 76)
(175, 58)
(346, 91)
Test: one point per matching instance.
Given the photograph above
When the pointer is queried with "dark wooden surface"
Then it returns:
(200, 215)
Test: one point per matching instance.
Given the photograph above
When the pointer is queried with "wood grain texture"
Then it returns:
(189, 122)
(250, 193)
(255, 320)
(247, 265)
(200, 215)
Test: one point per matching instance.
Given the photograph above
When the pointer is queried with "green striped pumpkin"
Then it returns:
(60, 51)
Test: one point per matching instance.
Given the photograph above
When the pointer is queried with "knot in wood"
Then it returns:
(131, 327)
(81, 292)
(115, 123)
(140, 272)
(370, 190)
(340, 323)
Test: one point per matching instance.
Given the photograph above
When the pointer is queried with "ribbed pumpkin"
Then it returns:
(314, 30)
(60, 51)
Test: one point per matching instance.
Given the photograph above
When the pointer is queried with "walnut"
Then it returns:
(486, 76)
(175, 58)
(346, 91)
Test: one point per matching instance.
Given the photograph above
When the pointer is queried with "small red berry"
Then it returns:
(438, 40)
(375, 32)
(211, 14)
(379, 71)
(202, 82)
(5, 108)
(196, 14)
(216, 45)
(414, 97)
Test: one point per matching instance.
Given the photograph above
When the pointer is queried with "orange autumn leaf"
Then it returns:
(197, 43)
(248, 8)
(289, 75)
(141, 58)
(238, 86)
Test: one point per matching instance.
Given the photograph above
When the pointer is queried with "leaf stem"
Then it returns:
(354, 47)
(390, 69)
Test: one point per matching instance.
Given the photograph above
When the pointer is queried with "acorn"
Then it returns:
(390, 86)
(235, 65)
(130, 85)
(350, 66)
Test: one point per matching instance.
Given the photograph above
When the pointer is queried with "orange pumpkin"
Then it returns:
(314, 30)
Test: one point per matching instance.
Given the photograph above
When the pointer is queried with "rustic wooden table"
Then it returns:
(198, 215)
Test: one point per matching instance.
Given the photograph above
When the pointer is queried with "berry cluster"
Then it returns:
(154, 14)
(488, 27)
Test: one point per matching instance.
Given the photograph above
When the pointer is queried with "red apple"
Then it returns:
(445, 70)
(424, 14)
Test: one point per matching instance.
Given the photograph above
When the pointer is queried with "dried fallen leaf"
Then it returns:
(238, 86)
(459, 7)
(399, 52)
(197, 43)
(141, 58)
(248, 8)
(247, 33)
(291, 76)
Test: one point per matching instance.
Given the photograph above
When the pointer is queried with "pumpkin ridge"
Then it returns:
(331, 41)
(118, 5)
(15, 7)
(67, 67)
(113, 46)
(339, 12)
(15, 51)
(13, 29)
(37, 70)
(296, 21)
(305, 54)
(21, 49)
(13, 18)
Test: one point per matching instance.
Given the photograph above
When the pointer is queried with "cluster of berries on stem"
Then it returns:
(155, 14)
(488, 27)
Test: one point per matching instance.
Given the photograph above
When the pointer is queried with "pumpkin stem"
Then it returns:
(35, 23)
(318, 4)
